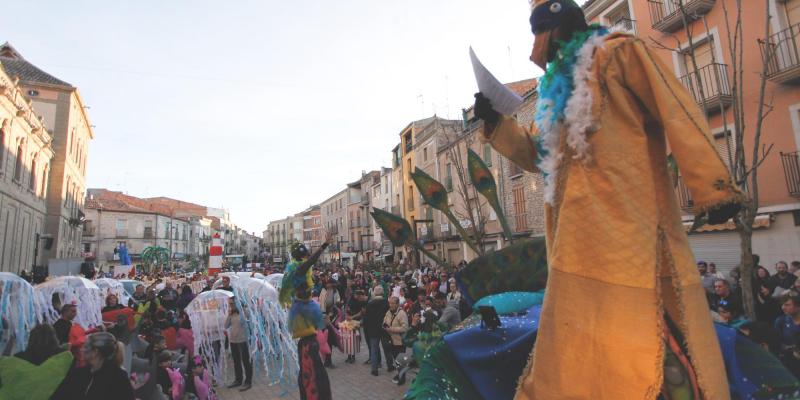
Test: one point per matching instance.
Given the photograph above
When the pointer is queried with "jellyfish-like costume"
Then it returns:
(269, 340)
(87, 297)
(112, 286)
(21, 308)
(207, 314)
(305, 318)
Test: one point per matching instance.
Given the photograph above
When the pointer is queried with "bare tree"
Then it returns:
(738, 135)
(473, 206)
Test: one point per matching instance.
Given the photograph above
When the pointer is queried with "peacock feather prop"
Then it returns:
(435, 194)
(481, 176)
(400, 233)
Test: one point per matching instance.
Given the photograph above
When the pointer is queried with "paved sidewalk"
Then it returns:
(348, 382)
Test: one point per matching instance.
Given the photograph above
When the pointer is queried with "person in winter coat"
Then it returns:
(395, 324)
(373, 328)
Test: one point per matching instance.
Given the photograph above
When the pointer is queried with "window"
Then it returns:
(487, 154)
(122, 227)
(425, 154)
(32, 180)
(148, 229)
(43, 186)
(408, 165)
(2, 147)
(725, 146)
(519, 209)
(18, 166)
(791, 9)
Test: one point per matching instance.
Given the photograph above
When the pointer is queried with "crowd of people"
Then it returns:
(777, 306)
(144, 349)
(383, 308)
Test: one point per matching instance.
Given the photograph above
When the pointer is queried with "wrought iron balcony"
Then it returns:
(709, 86)
(791, 172)
(666, 15)
(782, 55)
(626, 24)
(684, 197)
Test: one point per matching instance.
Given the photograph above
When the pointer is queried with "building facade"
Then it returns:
(333, 212)
(312, 228)
(777, 233)
(64, 113)
(26, 154)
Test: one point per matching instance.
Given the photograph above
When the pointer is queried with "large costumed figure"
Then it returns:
(622, 291)
(304, 319)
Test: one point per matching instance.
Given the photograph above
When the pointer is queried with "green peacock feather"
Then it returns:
(484, 182)
(435, 195)
(400, 233)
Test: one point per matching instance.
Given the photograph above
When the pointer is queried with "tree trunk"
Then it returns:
(747, 267)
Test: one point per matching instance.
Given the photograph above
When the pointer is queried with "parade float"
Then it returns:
(486, 354)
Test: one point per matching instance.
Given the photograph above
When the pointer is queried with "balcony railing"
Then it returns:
(782, 55)
(666, 14)
(713, 80)
(89, 231)
(791, 172)
(684, 197)
(626, 24)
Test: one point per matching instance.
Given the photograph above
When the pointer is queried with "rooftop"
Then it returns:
(17, 66)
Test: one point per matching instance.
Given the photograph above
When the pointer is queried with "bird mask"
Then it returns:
(547, 17)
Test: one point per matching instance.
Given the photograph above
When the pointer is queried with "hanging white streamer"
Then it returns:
(20, 310)
(82, 292)
(207, 313)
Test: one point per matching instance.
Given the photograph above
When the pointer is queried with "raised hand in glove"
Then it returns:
(483, 109)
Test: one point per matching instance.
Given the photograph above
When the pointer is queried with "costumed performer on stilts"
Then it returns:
(624, 310)
(305, 318)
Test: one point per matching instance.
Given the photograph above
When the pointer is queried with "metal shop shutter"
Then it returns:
(721, 248)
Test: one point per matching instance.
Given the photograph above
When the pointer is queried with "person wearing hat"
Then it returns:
(607, 111)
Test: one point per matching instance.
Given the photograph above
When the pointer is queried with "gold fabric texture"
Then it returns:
(617, 251)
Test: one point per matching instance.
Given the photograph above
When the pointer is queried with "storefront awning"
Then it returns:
(761, 221)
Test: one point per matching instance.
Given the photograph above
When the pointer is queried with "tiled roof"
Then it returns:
(523, 87)
(15, 65)
(587, 4)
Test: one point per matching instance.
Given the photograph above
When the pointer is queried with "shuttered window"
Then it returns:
(520, 217)
(724, 144)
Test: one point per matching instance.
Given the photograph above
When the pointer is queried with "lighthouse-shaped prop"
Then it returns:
(215, 255)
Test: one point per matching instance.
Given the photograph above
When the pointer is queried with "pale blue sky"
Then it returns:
(262, 107)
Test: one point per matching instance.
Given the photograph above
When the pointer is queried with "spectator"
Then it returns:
(453, 295)
(708, 280)
(102, 379)
(782, 281)
(395, 323)
(112, 303)
(724, 296)
(185, 297)
(168, 296)
(794, 268)
(788, 328)
(450, 315)
(373, 327)
(64, 323)
(712, 270)
(237, 335)
(329, 297)
(226, 284)
(138, 294)
(164, 361)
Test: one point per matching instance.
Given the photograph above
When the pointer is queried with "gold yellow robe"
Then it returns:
(617, 250)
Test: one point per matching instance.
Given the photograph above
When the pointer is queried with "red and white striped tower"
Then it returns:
(215, 255)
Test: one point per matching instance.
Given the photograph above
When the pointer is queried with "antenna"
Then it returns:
(510, 63)
(447, 96)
